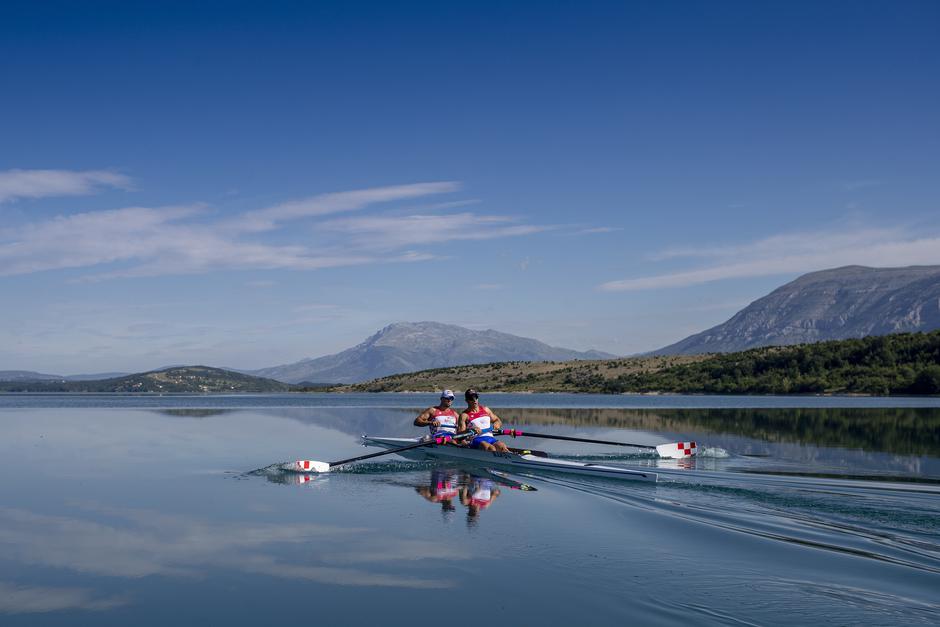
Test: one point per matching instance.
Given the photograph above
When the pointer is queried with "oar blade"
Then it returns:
(306, 465)
(677, 450)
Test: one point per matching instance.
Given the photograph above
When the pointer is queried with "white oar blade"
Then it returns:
(306, 465)
(677, 450)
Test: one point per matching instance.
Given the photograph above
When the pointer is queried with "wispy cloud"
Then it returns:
(792, 253)
(16, 184)
(313, 307)
(388, 232)
(142, 241)
(19, 599)
(324, 204)
(599, 229)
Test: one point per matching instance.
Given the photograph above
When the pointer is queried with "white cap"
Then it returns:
(447, 394)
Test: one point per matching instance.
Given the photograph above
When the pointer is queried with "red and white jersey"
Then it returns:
(446, 488)
(481, 493)
(447, 418)
(479, 419)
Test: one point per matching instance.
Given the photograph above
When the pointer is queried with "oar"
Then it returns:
(673, 450)
(309, 465)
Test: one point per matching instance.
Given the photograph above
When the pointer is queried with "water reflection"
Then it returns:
(898, 441)
(900, 431)
(94, 540)
(139, 517)
(194, 412)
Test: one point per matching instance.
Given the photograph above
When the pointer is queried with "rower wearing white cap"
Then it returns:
(440, 419)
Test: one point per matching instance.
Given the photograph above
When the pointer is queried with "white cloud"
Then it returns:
(87, 239)
(16, 184)
(143, 241)
(792, 253)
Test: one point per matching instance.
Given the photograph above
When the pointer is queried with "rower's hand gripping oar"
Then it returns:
(309, 465)
(673, 450)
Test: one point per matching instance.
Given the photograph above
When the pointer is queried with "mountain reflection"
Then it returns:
(903, 431)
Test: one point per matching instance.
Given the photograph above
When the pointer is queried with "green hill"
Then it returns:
(520, 376)
(185, 379)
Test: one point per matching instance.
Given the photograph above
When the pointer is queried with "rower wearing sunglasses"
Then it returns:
(441, 419)
(482, 420)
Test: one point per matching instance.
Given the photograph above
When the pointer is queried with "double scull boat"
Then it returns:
(516, 459)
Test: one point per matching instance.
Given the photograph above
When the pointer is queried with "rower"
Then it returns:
(482, 420)
(441, 419)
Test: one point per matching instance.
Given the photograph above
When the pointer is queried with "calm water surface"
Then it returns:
(158, 510)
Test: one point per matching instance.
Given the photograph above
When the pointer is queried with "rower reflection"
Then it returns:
(475, 489)
(442, 488)
(477, 494)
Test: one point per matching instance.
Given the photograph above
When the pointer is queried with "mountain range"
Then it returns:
(834, 304)
(29, 375)
(410, 346)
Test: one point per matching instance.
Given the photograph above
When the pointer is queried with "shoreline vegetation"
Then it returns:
(903, 364)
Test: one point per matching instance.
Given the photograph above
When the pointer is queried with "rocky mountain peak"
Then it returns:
(833, 304)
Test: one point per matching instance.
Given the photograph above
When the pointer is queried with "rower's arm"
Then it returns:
(462, 422)
(496, 423)
(424, 418)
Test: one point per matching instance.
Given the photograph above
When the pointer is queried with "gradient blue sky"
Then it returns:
(248, 184)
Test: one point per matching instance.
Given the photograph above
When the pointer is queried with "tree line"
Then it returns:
(900, 364)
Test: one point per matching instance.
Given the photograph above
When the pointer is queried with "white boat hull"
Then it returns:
(512, 461)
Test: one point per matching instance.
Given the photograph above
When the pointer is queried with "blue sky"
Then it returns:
(248, 184)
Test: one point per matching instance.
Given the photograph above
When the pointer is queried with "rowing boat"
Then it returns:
(515, 460)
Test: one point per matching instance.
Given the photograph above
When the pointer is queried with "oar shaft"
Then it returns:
(516, 432)
(459, 436)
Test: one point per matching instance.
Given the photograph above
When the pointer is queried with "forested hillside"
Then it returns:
(906, 363)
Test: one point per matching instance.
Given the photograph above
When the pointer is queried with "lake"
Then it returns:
(154, 510)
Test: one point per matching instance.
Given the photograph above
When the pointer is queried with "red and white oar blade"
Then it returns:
(306, 465)
(677, 450)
